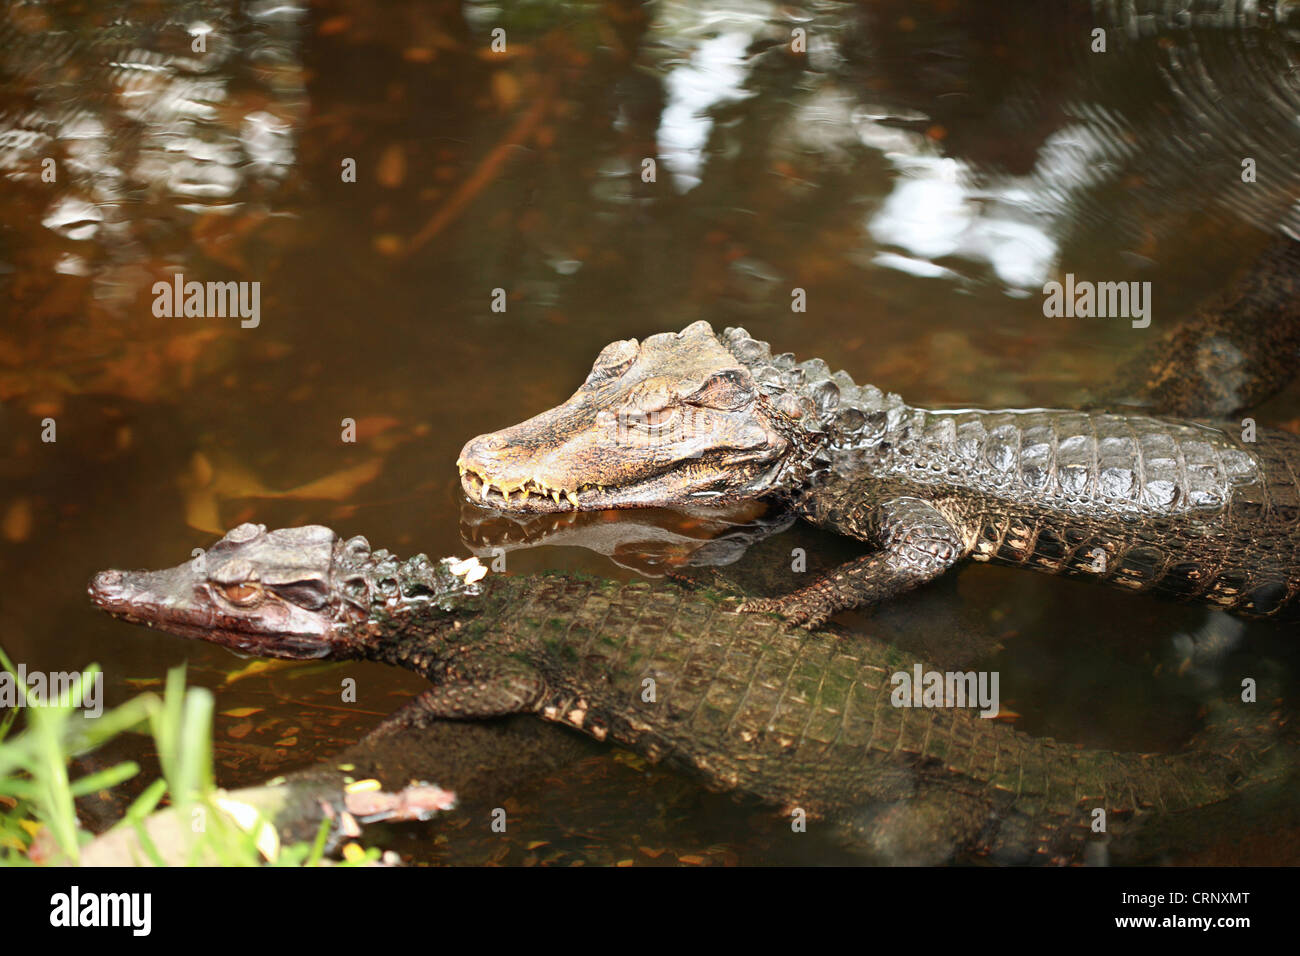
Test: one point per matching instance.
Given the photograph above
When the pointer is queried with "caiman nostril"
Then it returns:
(482, 451)
(488, 443)
(105, 582)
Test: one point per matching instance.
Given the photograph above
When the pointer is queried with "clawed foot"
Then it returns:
(806, 609)
(854, 584)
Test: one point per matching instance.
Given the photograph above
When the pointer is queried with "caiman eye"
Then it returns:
(726, 390)
(245, 594)
(650, 421)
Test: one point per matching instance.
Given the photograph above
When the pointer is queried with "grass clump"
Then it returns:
(206, 826)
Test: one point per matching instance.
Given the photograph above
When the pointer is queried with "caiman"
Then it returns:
(1177, 507)
(748, 703)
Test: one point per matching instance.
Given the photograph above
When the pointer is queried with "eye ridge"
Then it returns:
(615, 359)
(309, 595)
(606, 373)
(724, 391)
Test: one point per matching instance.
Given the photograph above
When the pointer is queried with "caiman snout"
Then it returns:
(107, 588)
(122, 592)
(105, 581)
(484, 451)
(482, 456)
(500, 465)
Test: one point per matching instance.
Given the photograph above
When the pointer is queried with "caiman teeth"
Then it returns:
(526, 487)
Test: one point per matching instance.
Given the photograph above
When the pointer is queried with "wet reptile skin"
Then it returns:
(805, 719)
(747, 703)
(1184, 510)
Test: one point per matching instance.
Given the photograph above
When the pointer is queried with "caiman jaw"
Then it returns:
(690, 484)
(530, 491)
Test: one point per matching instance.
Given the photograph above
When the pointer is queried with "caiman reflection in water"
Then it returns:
(650, 542)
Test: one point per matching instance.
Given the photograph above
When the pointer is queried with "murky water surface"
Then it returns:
(918, 169)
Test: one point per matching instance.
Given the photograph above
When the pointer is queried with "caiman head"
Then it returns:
(296, 593)
(680, 418)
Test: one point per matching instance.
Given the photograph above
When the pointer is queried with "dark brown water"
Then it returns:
(920, 172)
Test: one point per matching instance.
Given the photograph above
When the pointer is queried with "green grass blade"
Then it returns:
(105, 779)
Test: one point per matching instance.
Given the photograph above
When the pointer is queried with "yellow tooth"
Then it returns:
(483, 492)
(573, 499)
(556, 496)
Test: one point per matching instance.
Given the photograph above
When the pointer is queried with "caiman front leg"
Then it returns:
(917, 544)
(489, 693)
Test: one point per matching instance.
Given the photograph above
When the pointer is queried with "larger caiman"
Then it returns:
(801, 718)
(1182, 508)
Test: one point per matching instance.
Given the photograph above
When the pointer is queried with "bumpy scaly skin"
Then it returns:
(747, 703)
(803, 719)
(1182, 509)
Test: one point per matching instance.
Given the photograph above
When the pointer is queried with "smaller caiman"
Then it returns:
(748, 703)
(1176, 507)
